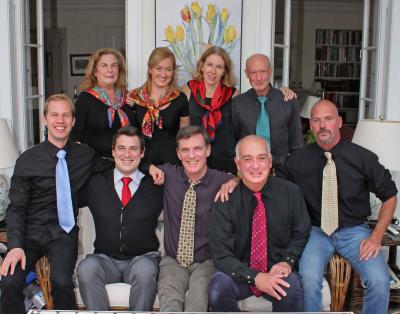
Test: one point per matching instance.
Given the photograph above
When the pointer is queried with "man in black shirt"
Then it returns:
(125, 205)
(33, 228)
(265, 219)
(358, 172)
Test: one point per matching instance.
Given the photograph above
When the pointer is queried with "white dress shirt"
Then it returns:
(136, 177)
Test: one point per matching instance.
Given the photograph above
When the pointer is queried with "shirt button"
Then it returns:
(233, 274)
(248, 277)
(122, 207)
(123, 227)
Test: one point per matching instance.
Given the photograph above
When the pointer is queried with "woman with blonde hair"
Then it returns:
(101, 107)
(160, 108)
(210, 94)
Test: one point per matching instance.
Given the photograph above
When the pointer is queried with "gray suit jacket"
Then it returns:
(284, 119)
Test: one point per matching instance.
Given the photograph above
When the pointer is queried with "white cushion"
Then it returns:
(254, 304)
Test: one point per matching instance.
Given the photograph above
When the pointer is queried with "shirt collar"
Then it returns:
(184, 178)
(53, 149)
(270, 95)
(136, 176)
(265, 191)
(335, 150)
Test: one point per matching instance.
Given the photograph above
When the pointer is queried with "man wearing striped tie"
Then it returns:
(267, 112)
(336, 177)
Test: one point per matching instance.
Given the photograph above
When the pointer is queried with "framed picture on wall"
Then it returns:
(78, 64)
(188, 28)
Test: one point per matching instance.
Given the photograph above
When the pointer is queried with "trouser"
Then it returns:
(225, 292)
(184, 289)
(62, 255)
(97, 270)
(345, 241)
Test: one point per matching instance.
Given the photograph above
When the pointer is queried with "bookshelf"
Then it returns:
(337, 67)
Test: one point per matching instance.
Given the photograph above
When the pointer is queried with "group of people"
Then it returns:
(130, 155)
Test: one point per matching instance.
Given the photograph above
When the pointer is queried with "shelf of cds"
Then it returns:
(337, 67)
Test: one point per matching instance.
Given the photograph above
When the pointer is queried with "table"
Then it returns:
(118, 312)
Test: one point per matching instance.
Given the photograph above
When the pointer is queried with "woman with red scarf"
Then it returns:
(210, 94)
(101, 108)
(160, 108)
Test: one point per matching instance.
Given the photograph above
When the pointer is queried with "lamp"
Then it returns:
(305, 111)
(382, 138)
(8, 156)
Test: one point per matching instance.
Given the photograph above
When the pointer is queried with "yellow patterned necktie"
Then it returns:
(184, 254)
(329, 204)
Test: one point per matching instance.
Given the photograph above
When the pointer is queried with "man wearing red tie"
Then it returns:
(125, 205)
(257, 236)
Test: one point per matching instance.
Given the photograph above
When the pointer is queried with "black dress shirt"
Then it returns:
(32, 213)
(358, 173)
(284, 120)
(230, 228)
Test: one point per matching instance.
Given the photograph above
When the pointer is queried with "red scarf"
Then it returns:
(212, 119)
(152, 116)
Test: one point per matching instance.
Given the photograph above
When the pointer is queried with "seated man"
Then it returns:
(41, 217)
(189, 192)
(257, 236)
(336, 178)
(125, 205)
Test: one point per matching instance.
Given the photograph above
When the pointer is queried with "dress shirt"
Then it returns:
(358, 173)
(175, 187)
(285, 125)
(230, 228)
(136, 177)
(32, 213)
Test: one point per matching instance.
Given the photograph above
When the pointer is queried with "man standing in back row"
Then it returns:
(263, 111)
(336, 178)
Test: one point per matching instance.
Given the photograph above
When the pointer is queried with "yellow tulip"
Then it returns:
(210, 13)
(185, 14)
(180, 33)
(196, 9)
(230, 34)
(224, 15)
(170, 34)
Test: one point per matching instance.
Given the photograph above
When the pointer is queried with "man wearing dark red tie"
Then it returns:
(257, 236)
(125, 205)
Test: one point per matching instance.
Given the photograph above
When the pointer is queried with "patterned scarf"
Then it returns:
(212, 119)
(152, 116)
(101, 95)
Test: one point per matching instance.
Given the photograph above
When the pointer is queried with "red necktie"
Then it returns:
(258, 256)
(126, 192)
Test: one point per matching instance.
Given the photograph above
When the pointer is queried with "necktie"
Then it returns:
(262, 128)
(329, 200)
(184, 254)
(258, 254)
(126, 191)
(65, 210)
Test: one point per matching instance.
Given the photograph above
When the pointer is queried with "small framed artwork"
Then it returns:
(79, 63)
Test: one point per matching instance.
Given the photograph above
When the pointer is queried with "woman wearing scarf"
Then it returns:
(160, 108)
(210, 94)
(101, 108)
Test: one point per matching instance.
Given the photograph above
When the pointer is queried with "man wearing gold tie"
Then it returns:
(336, 178)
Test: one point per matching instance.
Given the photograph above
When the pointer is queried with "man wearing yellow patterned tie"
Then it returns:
(336, 178)
(189, 192)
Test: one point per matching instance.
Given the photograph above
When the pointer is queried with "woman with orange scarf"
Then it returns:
(101, 107)
(160, 108)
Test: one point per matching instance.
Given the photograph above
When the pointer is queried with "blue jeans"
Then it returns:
(345, 241)
(225, 292)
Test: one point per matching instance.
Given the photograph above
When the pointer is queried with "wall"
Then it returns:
(90, 24)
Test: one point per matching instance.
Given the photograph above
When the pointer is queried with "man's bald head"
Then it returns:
(258, 57)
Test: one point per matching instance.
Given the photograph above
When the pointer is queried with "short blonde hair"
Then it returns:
(90, 80)
(228, 78)
(58, 97)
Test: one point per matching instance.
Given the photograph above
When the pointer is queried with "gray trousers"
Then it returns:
(97, 270)
(183, 289)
